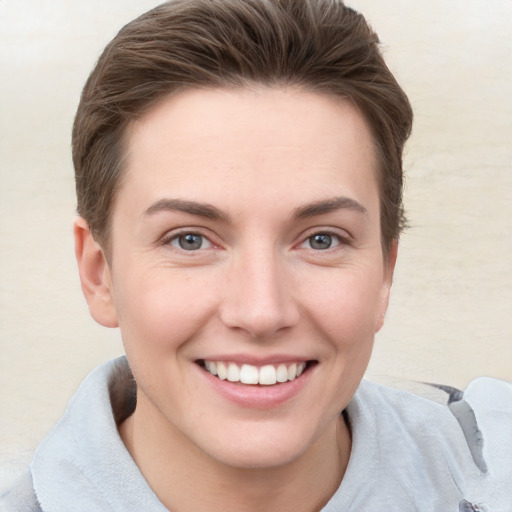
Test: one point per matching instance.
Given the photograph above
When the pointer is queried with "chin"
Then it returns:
(259, 448)
(256, 457)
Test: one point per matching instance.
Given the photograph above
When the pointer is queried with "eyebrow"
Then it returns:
(327, 206)
(204, 210)
(209, 211)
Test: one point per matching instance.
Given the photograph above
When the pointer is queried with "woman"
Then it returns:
(239, 183)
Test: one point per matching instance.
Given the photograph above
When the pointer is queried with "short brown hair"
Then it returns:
(320, 45)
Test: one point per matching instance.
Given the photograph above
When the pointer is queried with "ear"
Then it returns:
(389, 269)
(94, 275)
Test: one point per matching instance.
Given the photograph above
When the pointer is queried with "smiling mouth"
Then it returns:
(267, 375)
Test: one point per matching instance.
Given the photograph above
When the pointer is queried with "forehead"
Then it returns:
(260, 141)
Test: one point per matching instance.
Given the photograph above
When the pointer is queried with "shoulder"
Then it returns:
(485, 415)
(442, 436)
(21, 497)
(417, 429)
(482, 412)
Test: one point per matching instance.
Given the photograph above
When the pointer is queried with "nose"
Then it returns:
(258, 296)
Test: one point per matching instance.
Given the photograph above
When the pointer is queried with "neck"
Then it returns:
(186, 479)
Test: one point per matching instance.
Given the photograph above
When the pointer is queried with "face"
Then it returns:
(247, 273)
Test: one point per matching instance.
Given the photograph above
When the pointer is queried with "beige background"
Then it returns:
(451, 310)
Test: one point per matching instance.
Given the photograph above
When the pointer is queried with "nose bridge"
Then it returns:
(259, 296)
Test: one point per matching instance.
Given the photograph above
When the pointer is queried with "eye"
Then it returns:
(190, 242)
(322, 241)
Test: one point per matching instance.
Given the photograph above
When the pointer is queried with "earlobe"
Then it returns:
(94, 275)
(389, 269)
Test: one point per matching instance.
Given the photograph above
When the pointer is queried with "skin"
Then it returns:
(274, 167)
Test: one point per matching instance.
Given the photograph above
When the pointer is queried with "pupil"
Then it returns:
(190, 242)
(321, 241)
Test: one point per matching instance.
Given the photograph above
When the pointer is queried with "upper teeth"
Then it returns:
(249, 374)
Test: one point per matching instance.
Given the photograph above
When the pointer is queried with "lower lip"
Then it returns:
(257, 396)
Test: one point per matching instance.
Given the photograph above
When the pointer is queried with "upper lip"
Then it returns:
(256, 360)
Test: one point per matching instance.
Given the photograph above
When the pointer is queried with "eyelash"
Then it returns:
(175, 236)
(340, 240)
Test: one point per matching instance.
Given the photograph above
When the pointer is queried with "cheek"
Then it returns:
(346, 304)
(162, 310)
(345, 314)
